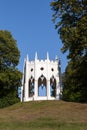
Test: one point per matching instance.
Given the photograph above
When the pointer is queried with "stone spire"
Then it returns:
(36, 57)
(47, 56)
(56, 58)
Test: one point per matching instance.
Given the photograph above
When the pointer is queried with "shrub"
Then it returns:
(8, 100)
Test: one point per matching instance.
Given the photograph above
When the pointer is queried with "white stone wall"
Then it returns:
(33, 68)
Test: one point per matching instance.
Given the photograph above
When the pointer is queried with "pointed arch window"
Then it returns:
(53, 86)
(31, 86)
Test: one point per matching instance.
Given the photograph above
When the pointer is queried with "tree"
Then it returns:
(10, 76)
(71, 17)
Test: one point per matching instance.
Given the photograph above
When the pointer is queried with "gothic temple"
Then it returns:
(41, 79)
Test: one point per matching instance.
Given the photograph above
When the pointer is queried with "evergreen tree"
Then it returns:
(10, 76)
(70, 17)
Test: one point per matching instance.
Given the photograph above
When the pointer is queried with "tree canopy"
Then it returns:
(70, 17)
(10, 76)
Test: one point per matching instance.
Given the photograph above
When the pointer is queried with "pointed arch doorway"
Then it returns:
(42, 86)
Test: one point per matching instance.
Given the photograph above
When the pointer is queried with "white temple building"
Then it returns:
(41, 79)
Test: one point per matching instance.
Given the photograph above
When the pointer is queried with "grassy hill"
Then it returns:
(44, 115)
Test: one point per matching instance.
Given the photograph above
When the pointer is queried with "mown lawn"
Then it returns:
(44, 115)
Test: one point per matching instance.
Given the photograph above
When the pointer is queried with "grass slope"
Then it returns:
(44, 115)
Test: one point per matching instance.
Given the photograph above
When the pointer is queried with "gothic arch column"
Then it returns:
(58, 89)
(48, 89)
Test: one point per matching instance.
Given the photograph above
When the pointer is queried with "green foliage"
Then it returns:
(71, 25)
(8, 100)
(10, 76)
(75, 84)
(9, 53)
(70, 17)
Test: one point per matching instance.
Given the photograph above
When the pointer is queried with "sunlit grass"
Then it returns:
(44, 115)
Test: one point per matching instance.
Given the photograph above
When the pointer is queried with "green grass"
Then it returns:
(44, 115)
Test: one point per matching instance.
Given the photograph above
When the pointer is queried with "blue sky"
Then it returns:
(30, 22)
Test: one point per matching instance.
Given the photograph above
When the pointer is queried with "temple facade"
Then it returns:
(41, 79)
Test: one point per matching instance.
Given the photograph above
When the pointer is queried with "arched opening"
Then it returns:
(31, 86)
(52, 86)
(42, 86)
